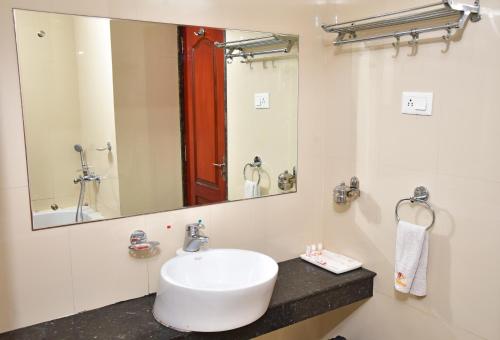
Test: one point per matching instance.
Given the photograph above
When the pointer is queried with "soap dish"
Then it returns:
(333, 262)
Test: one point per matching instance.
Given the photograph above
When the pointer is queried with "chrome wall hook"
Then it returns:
(396, 45)
(200, 33)
(414, 44)
(447, 40)
(108, 147)
(343, 194)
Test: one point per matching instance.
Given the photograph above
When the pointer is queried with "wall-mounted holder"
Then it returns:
(344, 194)
(420, 196)
(108, 147)
(256, 164)
(287, 180)
(450, 16)
(140, 247)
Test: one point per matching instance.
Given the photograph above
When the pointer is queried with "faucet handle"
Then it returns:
(200, 224)
(195, 227)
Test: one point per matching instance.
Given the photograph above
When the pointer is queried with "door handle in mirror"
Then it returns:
(222, 167)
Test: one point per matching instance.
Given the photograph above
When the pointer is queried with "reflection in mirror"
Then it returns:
(126, 117)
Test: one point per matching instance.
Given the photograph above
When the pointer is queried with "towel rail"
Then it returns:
(257, 163)
(245, 48)
(420, 196)
(347, 32)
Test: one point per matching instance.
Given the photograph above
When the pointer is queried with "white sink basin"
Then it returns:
(216, 290)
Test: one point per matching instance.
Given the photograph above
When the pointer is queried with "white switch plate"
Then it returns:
(262, 100)
(417, 103)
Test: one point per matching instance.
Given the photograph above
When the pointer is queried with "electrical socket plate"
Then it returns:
(417, 103)
(262, 100)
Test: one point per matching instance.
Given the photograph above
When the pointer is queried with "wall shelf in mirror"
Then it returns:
(247, 49)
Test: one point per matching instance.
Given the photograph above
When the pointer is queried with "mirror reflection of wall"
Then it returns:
(270, 133)
(127, 117)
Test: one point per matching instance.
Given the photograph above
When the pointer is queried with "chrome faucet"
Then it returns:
(90, 177)
(86, 176)
(193, 239)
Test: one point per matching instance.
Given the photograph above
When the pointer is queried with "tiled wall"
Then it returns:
(148, 127)
(455, 153)
(349, 124)
(52, 273)
(245, 123)
(50, 149)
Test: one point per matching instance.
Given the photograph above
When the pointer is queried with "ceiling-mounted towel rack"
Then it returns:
(249, 48)
(459, 13)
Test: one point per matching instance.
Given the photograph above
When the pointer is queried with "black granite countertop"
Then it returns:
(301, 292)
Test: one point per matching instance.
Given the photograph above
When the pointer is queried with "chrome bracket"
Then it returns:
(414, 44)
(396, 45)
(344, 194)
(200, 33)
(447, 40)
(140, 246)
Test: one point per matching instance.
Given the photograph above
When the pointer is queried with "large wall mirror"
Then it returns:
(126, 117)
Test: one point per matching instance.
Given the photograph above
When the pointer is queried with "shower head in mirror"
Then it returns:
(78, 148)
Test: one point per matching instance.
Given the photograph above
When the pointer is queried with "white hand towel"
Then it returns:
(412, 248)
(252, 189)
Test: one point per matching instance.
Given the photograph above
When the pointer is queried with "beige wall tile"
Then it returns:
(386, 318)
(15, 217)
(102, 270)
(91, 7)
(364, 134)
(123, 9)
(451, 153)
(33, 264)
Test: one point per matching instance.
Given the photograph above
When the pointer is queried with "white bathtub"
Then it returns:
(51, 218)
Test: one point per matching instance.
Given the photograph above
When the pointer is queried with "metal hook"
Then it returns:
(108, 147)
(396, 45)
(200, 33)
(414, 44)
(250, 64)
(447, 40)
(248, 58)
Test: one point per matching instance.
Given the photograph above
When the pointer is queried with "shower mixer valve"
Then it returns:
(83, 179)
(90, 177)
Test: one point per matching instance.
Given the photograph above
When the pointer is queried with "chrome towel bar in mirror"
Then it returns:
(420, 196)
(257, 163)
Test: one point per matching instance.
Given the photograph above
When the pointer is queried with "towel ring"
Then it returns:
(420, 195)
(257, 162)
